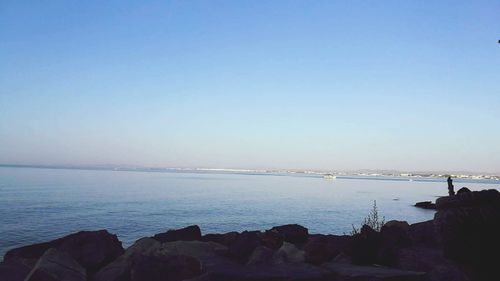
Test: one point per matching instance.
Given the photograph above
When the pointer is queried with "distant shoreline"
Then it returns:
(402, 176)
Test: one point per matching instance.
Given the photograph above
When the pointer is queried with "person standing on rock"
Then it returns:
(451, 191)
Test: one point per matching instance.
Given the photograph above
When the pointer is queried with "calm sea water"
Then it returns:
(41, 204)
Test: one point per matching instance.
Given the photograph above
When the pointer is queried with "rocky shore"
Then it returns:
(461, 243)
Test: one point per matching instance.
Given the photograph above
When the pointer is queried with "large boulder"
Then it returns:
(469, 199)
(395, 235)
(29, 255)
(423, 233)
(244, 244)
(225, 239)
(213, 256)
(149, 259)
(261, 255)
(468, 225)
(189, 233)
(13, 271)
(292, 233)
(161, 268)
(426, 205)
(365, 246)
(120, 268)
(55, 265)
(463, 190)
(271, 239)
(432, 261)
(289, 253)
(323, 248)
(197, 249)
(91, 249)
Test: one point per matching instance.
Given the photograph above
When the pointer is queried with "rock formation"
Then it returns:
(426, 205)
(468, 226)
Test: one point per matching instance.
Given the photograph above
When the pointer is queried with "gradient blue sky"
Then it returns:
(407, 85)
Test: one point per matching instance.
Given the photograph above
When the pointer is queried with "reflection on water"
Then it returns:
(41, 204)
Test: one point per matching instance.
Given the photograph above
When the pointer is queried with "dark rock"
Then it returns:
(219, 269)
(463, 190)
(423, 233)
(261, 255)
(396, 233)
(189, 233)
(213, 256)
(219, 266)
(342, 258)
(149, 259)
(225, 239)
(56, 265)
(146, 256)
(323, 248)
(119, 269)
(209, 253)
(29, 255)
(244, 244)
(469, 199)
(197, 249)
(288, 253)
(468, 225)
(13, 271)
(161, 268)
(365, 246)
(432, 261)
(345, 271)
(271, 239)
(394, 237)
(91, 249)
(426, 205)
(292, 233)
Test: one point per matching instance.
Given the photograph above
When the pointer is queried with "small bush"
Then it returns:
(372, 220)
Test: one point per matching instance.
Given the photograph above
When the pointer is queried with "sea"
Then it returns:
(38, 204)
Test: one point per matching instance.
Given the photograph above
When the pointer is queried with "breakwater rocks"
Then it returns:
(426, 205)
(456, 245)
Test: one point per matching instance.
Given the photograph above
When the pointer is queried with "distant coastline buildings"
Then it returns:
(318, 173)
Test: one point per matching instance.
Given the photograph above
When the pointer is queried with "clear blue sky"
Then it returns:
(407, 85)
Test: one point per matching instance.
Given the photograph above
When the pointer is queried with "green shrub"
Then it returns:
(372, 220)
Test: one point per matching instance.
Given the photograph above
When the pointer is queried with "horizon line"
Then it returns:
(125, 167)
